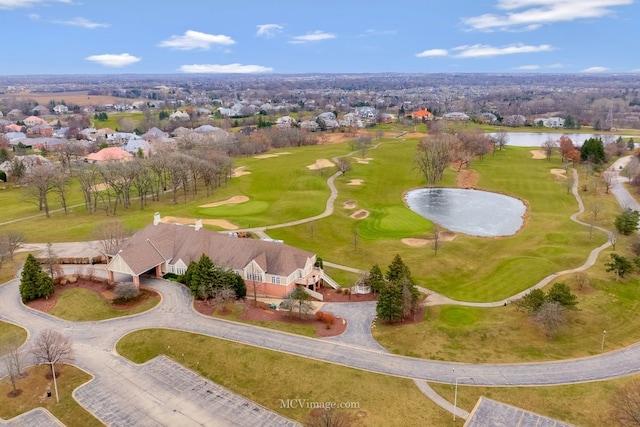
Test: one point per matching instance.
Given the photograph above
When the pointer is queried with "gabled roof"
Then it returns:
(110, 153)
(162, 242)
(421, 113)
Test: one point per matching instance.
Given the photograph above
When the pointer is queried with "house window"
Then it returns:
(275, 280)
(255, 277)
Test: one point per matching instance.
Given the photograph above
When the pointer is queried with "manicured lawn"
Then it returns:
(266, 377)
(11, 334)
(585, 405)
(292, 328)
(34, 394)
(504, 334)
(83, 305)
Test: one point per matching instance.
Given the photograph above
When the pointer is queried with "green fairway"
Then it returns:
(267, 376)
(83, 305)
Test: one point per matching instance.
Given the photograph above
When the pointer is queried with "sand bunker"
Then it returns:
(355, 182)
(360, 214)
(321, 164)
(232, 201)
(349, 204)
(538, 154)
(239, 172)
(559, 173)
(362, 161)
(222, 223)
(268, 156)
(445, 236)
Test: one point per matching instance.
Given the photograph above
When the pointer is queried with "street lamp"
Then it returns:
(55, 383)
(604, 334)
(455, 395)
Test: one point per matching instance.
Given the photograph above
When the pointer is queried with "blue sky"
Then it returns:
(285, 36)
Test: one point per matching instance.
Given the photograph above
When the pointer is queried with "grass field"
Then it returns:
(34, 394)
(585, 405)
(83, 305)
(267, 376)
(11, 334)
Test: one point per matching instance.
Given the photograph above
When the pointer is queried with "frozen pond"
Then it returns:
(531, 139)
(474, 212)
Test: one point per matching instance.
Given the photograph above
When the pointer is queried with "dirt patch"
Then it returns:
(349, 204)
(249, 311)
(444, 236)
(81, 98)
(538, 154)
(362, 161)
(231, 201)
(222, 223)
(239, 171)
(467, 178)
(360, 214)
(559, 173)
(355, 182)
(102, 289)
(321, 164)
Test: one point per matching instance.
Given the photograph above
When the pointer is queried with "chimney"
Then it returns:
(156, 218)
(198, 224)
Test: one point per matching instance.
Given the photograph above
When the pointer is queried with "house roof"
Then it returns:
(421, 113)
(110, 153)
(162, 242)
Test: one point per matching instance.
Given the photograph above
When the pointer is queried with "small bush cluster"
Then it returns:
(327, 318)
(124, 292)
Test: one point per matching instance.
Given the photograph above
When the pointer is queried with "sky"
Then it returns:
(328, 36)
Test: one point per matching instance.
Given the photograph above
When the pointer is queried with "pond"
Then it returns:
(532, 139)
(474, 212)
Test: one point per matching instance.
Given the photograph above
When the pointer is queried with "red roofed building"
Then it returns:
(421, 114)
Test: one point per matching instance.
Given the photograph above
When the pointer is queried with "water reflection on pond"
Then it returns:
(474, 212)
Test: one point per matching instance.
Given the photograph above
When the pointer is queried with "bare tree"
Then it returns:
(343, 164)
(581, 279)
(549, 146)
(436, 241)
(608, 179)
(40, 182)
(569, 182)
(626, 405)
(499, 141)
(595, 210)
(550, 316)
(10, 241)
(52, 347)
(110, 235)
(613, 239)
(433, 156)
(12, 360)
(322, 417)
(364, 144)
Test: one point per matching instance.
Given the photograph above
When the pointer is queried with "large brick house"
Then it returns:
(272, 267)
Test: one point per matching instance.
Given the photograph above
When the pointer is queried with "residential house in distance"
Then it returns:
(457, 116)
(272, 267)
(40, 110)
(550, 122)
(40, 130)
(179, 115)
(421, 115)
(60, 109)
(33, 120)
(109, 154)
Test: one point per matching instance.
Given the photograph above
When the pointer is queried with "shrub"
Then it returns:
(328, 319)
(124, 292)
(319, 316)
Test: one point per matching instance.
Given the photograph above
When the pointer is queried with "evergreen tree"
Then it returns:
(34, 283)
(593, 149)
(397, 270)
(375, 279)
(389, 306)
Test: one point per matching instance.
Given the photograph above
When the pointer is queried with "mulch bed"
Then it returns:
(251, 312)
(332, 295)
(103, 290)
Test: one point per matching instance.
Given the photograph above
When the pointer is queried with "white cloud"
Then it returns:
(483, 50)
(228, 68)
(595, 70)
(531, 14)
(432, 52)
(114, 60)
(196, 40)
(268, 30)
(15, 4)
(312, 37)
(82, 22)
(528, 67)
(374, 32)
